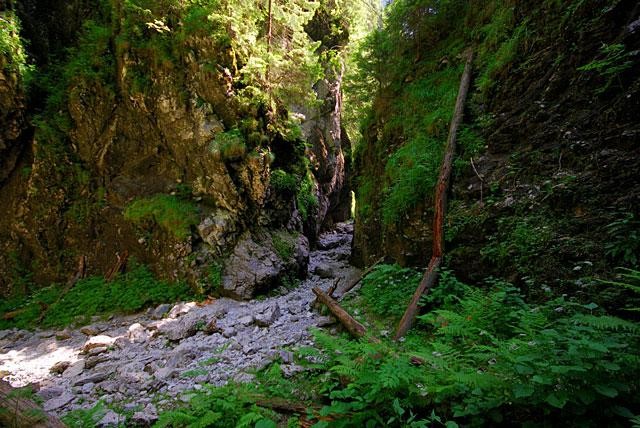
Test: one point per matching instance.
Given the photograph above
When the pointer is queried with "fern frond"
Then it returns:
(605, 322)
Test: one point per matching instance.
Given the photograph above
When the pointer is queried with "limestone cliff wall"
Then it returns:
(155, 126)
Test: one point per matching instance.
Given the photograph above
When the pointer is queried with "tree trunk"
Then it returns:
(440, 201)
(269, 41)
(354, 327)
(17, 412)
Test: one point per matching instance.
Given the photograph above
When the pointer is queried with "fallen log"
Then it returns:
(354, 327)
(440, 201)
(19, 412)
(366, 272)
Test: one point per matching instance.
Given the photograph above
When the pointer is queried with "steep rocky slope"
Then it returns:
(544, 188)
(152, 143)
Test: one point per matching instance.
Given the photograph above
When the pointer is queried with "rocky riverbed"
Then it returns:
(173, 349)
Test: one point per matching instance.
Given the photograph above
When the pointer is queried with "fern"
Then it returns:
(604, 322)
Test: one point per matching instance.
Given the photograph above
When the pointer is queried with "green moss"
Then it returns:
(412, 172)
(215, 277)
(283, 182)
(12, 53)
(173, 215)
(283, 243)
(128, 293)
(306, 197)
(229, 145)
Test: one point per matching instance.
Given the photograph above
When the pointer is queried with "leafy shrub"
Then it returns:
(386, 291)
(306, 197)
(283, 182)
(12, 53)
(215, 276)
(172, 214)
(82, 418)
(229, 145)
(230, 405)
(518, 242)
(615, 60)
(623, 245)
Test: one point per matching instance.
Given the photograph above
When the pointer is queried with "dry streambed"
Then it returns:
(147, 361)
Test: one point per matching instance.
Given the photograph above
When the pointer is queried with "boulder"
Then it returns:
(138, 334)
(159, 312)
(98, 342)
(89, 331)
(92, 378)
(145, 417)
(74, 369)
(60, 367)
(110, 419)
(250, 268)
(324, 271)
(182, 328)
(255, 266)
(269, 316)
(58, 402)
(181, 309)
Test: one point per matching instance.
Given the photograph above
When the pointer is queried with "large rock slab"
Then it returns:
(255, 266)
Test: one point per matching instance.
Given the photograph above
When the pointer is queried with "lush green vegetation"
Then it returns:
(284, 244)
(480, 356)
(173, 215)
(489, 357)
(12, 53)
(417, 86)
(59, 306)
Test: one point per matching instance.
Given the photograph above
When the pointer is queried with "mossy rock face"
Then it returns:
(539, 126)
(149, 141)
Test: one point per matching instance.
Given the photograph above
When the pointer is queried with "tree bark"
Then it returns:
(429, 278)
(17, 412)
(354, 327)
(440, 201)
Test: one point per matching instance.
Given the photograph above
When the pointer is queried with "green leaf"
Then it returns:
(542, 380)
(557, 400)
(606, 390)
(521, 390)
(266, 423)
(451, 424)
(397, 408)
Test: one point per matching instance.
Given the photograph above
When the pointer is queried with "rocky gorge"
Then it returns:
(145, 362)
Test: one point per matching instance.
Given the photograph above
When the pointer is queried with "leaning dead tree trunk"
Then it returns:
(431, 275)
(17, 412)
